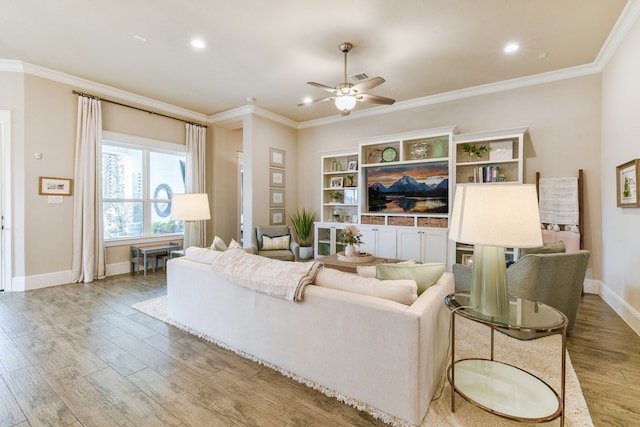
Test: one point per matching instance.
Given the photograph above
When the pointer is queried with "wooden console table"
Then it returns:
(351, 267)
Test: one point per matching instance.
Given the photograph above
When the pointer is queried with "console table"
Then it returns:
(144, 251)
(497, 387)
(332, 261)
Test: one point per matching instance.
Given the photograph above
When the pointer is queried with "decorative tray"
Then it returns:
(356, 258)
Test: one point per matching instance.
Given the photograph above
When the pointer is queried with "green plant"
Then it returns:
(335, 196)
(303, 224)
(475, 150)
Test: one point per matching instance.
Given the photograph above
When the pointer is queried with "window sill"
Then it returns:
(129, 241)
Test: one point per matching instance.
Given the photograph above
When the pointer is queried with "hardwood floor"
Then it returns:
(79, 355)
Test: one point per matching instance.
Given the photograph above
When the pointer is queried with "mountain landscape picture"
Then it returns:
(408, 188)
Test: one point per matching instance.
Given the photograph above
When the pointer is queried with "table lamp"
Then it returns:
(190, 208)
(493, 217)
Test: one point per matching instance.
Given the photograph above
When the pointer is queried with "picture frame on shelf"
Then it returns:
(276, 198)
(627, 176)
(467, 260)
(336, 182)
(353, 165)
(276, 177)
(502, 150)
(276, 217)
(55, 186)
(276, 157)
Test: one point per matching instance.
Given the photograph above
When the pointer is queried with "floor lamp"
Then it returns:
(190, 208)
(493, 217)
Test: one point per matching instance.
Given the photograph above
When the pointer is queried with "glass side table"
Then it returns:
(500, 388)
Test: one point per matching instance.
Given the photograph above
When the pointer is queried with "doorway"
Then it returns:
(5, 199)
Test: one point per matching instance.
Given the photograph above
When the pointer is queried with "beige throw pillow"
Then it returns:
(425, 275)
(274, 243)
(218, 244)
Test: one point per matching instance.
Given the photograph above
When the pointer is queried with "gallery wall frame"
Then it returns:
(627, 176)
(276, 177)
(276, 198)
(276, 158)
(276, 217)
(55, 186)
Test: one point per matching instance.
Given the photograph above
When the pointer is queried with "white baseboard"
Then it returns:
(628, 313)
(39, 281)
(591, 286)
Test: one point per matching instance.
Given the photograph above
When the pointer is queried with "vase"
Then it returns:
(349, 250)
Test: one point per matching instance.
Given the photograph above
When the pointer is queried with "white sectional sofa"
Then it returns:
(378, 355)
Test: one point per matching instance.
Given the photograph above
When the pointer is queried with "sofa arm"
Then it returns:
(462, 277)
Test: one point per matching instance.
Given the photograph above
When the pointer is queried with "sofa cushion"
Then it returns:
(547, 248)
(275, 243)
(401, 291)
(218, 244)
(203, 255)
(424, 275)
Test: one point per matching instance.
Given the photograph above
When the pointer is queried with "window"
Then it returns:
(138, 181)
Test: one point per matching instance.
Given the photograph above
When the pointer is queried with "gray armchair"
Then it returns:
(555, 279)
(292, 253)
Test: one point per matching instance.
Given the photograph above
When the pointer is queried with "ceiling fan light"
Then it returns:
(346, 102)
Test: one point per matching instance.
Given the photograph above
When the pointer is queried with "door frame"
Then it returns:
(5, 201)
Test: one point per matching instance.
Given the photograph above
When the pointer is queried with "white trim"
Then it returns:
(123, 138)
(623, 25)
(628, 313)
(591, 286)
(5, 204)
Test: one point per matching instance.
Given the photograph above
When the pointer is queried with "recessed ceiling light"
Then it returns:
(197, 43)
(511, 47)
(140, 38)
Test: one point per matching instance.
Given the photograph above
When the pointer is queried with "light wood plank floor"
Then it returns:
(78, 355)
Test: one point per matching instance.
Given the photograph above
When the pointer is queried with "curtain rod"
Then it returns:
(75, 92)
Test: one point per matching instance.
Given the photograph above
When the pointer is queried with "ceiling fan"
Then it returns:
(345, 95)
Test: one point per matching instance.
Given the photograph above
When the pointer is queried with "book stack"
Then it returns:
(486, 174)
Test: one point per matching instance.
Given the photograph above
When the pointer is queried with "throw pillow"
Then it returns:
(274, 243)
(234, 245)
(547, 248)
(425, 275)
(203, 255)
(400, 291)
(218, 244)
(370, 270)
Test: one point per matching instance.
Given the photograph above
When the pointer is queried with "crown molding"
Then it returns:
(630, 14)
(241, 112)
(101, 89)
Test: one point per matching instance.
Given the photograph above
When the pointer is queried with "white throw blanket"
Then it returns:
(282, 279)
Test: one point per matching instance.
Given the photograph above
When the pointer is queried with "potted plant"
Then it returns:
(475, 150)
(303, 224)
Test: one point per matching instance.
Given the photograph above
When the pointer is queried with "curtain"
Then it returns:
(89, 260)
(195, 178)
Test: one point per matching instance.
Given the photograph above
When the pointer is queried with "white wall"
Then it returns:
(620, 144)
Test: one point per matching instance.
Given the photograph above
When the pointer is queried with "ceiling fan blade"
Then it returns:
(375, 99)
(367, 84)
(323, 87)
(329, 98)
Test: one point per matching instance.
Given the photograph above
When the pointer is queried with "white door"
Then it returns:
(435, 246)
(409, 244)
(5, 197)
(386, 243)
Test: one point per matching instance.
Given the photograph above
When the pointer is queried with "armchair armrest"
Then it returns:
(295, 248)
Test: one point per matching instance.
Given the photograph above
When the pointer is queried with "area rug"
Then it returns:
(541, 357)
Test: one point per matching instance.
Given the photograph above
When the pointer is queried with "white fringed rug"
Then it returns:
(541, 357)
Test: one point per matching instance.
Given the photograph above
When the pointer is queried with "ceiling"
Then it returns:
(267, 50)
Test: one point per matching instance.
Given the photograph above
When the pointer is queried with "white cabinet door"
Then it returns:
(409, 244)
(424, 245)
(379, 241)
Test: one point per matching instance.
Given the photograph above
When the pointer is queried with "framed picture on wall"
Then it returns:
(276, 217)
(276, 177)
(626, 184)
(55, 186)
(276, 198)
(276, 158)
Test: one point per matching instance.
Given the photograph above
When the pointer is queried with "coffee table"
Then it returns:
(351, 267)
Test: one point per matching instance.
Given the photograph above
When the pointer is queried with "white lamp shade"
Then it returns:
(502, 215)
(190, 207)
(345, 102)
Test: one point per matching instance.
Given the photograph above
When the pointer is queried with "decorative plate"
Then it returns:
(375, 156)
(389, 154)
